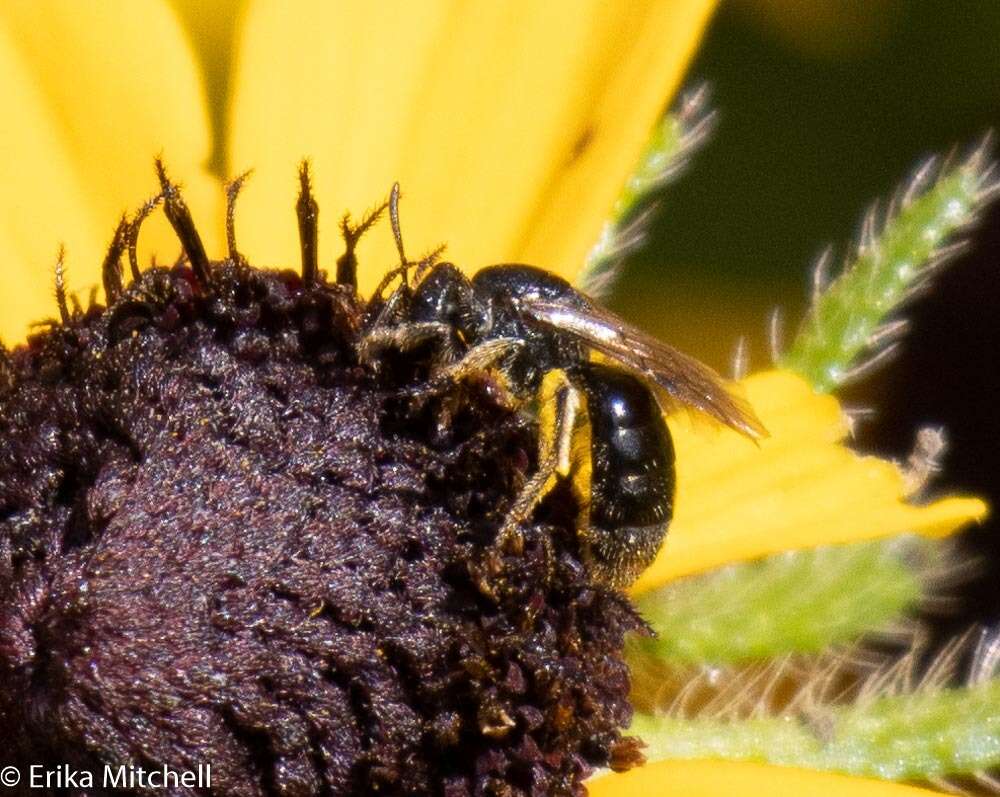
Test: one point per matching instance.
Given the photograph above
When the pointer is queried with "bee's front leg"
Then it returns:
(479, 366)
(402, 337)
(481, 358)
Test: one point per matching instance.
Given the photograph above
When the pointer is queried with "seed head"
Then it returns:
(223, 541)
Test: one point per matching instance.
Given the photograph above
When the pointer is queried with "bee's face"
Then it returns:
(447, 297)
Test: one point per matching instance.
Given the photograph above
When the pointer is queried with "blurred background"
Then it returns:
(823, 107)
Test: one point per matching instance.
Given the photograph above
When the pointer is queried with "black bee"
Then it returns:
(525, 323)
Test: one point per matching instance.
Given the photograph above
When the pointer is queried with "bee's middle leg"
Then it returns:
(479, 358)
(554, 447)
(451, 370)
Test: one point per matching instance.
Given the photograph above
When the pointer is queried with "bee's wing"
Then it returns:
(687, 381)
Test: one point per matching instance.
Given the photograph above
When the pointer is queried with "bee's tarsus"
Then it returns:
(111, 269)
(307, 211)
(180, 219)
(60, 284)
(233, 188)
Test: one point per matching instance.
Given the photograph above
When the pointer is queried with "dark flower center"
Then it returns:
(223, 542)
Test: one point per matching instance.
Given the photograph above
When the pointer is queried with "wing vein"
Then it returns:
(686, 381)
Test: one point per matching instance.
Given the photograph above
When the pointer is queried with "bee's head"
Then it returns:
(446, 296)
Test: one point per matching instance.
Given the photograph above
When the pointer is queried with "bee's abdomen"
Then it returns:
(632, 479)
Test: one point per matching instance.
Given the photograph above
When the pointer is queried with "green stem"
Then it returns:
(797, 602)
(674, 141)
(929, 734)
(894, 260)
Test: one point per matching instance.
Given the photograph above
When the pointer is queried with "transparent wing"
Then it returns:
(686, 381)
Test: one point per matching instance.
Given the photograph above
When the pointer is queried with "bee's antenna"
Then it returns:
(394, 218)
(60, 271)
(403, 269)
(233, 189)
(308, 213)
(180, 219)
(428, 261)
(133, 233)
(111, 270)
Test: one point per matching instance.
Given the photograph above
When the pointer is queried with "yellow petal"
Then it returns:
(510, 126)
(732, 779)
(798, 489)
(92, 93)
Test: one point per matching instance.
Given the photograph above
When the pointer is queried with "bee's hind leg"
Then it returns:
(554, 448)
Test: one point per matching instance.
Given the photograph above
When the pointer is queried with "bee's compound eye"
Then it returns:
(446, 296)
(478, 319)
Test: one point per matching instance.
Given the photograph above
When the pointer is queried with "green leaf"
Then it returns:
(797, 602)
(921, 736)
(674, 141)
(895, 258)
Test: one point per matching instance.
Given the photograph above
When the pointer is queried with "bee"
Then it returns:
(527, 323)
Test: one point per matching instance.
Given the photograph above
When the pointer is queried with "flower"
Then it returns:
(511, 126)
